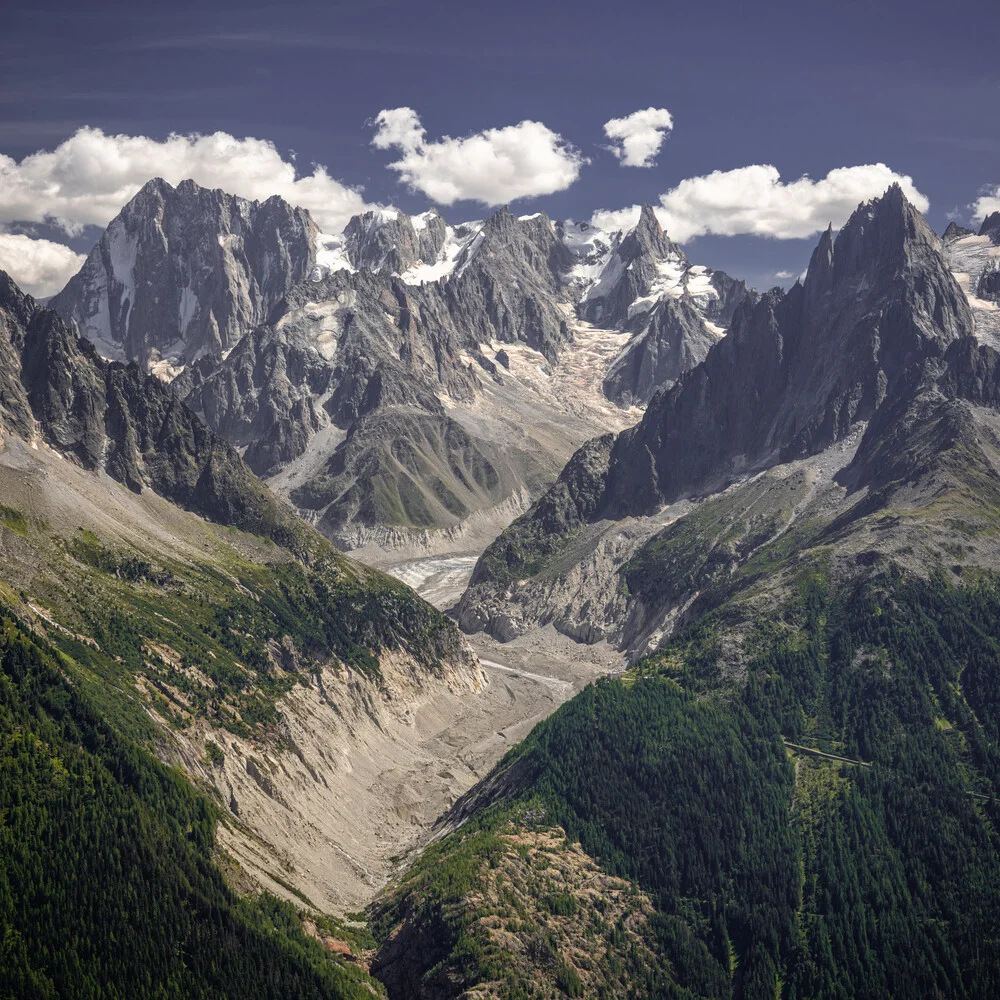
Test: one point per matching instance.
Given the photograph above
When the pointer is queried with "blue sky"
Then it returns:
(805, 87)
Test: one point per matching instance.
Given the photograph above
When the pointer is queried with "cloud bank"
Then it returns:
(88, 178)
(40, 267)
(638, 137)
(494, 166)
(754, 200)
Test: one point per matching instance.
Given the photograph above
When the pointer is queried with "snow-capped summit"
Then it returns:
(642, 282)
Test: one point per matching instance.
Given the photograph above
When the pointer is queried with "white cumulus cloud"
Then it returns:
(986, 204)
(639, 136)
(754, 200)
(494, 166)
(89, 177)
(40, 267)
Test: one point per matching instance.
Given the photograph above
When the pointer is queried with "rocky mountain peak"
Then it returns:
(186, 270)
(507, 283)
(648, 239)
(13, 300)
(800, 370)
(388, 241)
(991, 227)
(819, 274)
(502, 220)
(885, 233)
(956, 232)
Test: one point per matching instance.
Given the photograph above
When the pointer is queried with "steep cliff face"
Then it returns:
(674, 339)
(798, 370)
(506, 284)
(112, 417)
(795, 381)
(185, 271)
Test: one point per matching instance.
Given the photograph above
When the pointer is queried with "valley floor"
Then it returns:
(414, 765)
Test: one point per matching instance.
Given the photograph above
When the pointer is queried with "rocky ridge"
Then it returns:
(332, 346)
(878, 336)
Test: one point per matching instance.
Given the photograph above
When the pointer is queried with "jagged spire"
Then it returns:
(955, 232)
(991, 227)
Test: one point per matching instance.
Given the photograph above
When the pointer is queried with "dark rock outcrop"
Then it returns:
(798, 370)
(956, 232)
(111, 416)
(991, 227)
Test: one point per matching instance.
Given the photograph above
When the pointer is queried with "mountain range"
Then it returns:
(266, 769)
(403, 375)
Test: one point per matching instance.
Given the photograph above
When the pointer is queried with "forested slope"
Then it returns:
(107, 883)
(772, 872)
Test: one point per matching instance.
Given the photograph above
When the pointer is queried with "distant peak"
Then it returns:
(649, 238)
(501, 218)
(895, 202)
(648, 219)
(156, 185)
(956, 232)
(991, 227)
(880, 230)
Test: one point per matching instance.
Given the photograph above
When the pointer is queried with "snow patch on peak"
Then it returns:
(331, 255)
(592, 249)
(470, 252)
(122, 249)
(421, 221)
(457, 240)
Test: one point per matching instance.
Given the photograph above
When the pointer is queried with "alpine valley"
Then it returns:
(510, 609)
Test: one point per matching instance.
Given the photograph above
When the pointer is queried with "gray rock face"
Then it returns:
(186, 271)
(352, 345)
(573, 500)
(15, 315)
(796, 372)
(991, 228)
(110, 416)
(507, 284)
(925, 429)
(674, 310)
(955, 232)
(263, 399)
(388, 241)
(673, 340)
